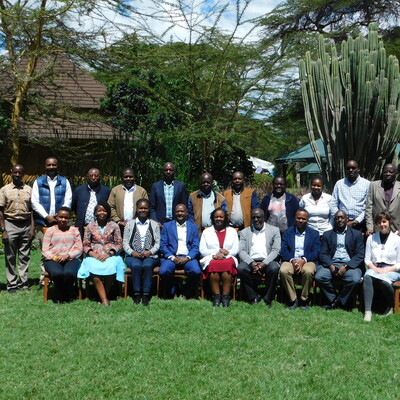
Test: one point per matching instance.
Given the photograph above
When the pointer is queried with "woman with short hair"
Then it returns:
(219, 246)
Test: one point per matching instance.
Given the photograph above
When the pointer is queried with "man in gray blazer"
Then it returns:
(384, 195)
(259, 246)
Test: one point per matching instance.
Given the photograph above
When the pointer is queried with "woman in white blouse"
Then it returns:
(219, 245)
(382, 257)
(317, 204)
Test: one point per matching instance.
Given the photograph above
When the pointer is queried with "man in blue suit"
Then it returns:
(299, 252)
(180, 248)
(342, 255)
(166, 195)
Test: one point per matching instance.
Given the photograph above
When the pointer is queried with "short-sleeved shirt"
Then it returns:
(16, 201)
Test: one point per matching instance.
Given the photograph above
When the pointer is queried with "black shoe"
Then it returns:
(216, 300)
(145, 299)
(304, 305)
(294, 305)
(136, 299)
(41, 287)
(268, 304)
(256, 300)
(12, 291)
(226, 300)
(335, 305)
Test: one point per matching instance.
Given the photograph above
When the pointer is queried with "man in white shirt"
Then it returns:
(259, 246)
(49, 192)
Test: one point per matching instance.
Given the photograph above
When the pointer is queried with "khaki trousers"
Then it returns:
(307, 276)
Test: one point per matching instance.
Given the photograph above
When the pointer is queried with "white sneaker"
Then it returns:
(388, 311)
(367, 316)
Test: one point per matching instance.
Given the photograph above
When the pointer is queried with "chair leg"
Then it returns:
(396, 300)
(126, 285)
(234, 287)
(45, 288)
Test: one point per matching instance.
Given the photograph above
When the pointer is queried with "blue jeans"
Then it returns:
(142, 272)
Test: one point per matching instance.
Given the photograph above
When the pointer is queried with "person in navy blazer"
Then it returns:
(299, 258)
(159, 210)
(180, 253)
(342, 256)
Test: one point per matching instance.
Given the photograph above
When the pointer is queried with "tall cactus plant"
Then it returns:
(351, 101)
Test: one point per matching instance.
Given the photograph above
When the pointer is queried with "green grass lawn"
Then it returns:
(177, 349)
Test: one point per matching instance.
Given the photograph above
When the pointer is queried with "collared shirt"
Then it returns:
(208, 208)
(52, 184)
(142, 228)
(341, 255)
(299, 244)
(258, 244)
(169, 197)
(128, 203)
(89, 215)
(16, 201)
(319, 214)
(237, 212)
(182, 236)
(350, 197)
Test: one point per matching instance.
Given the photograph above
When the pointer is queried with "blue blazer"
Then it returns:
(353, 242)
(157, 200)
(312, 244)
(169, 239)
(291, 204)
(80, 200)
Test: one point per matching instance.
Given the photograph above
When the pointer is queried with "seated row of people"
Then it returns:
(338, 255)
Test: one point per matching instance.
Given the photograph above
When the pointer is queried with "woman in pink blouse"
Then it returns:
(61, 249)
(102, 242)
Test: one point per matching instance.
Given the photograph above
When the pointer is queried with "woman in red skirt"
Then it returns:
(218, 247)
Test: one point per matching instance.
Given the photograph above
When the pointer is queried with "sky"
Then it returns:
(174, 17)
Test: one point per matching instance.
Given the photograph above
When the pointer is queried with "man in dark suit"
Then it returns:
(180, 248)
(259, 246)
(342, 255)
(86, 197)
(299, 252)
(166, 195)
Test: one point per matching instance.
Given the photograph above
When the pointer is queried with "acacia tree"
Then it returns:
(33, 30)
(212, 87)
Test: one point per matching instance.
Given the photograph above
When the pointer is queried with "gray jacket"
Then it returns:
(376, 204)
(272, 238)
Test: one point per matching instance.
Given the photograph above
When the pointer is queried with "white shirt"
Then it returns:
(142, 228)
(182, 235)
(208, 208)
(237, 212)
(258, 245)
(52, 184)
(319, 214)
(128, 203)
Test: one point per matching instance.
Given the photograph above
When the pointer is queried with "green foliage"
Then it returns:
(352, 103)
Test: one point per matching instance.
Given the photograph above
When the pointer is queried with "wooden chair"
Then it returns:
(128, 275)
(46, 284)
(396, 286)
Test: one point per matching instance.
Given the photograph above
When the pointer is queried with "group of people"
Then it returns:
(208, 235)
